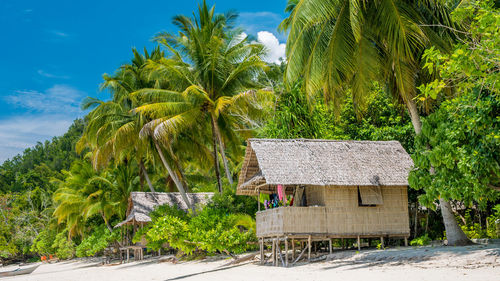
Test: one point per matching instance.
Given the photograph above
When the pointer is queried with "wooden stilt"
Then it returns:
(286, 251)
(273, 251)
(309, 248)
(406, 241)
(293, 249)
(382, 242)
(261, 251)
(330, 245)
(359, 243)
(342, 242)
(278, 251)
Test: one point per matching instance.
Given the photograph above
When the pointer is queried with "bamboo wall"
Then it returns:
(338, 214)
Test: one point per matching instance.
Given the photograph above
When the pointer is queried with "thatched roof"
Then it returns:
(140, 204)
(269, 162)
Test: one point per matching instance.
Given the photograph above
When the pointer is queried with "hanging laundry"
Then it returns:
(280, 192)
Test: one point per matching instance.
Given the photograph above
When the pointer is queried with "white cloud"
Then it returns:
(276, 50)
(51, 75)
(59, 98)
(253, 22)
(21, 132)
(44, 114)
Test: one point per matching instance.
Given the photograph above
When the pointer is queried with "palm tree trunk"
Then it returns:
(173, 176)
(216, 157)
(223, 154)
(106, 223)
(181, 174)
(145, 173)
(454, 238)
(454, 233)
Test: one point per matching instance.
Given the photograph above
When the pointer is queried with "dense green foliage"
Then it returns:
(26, 182)
(461, 139)
(297, 117)
(100, 238)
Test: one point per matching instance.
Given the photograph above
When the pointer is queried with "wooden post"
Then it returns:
(359, 243)
(261, 250)
(309, 248)
(273, 250)
(258, 201)
(128, 254)
(382, 242)
(293, 249)
(330, 245)
(278, 251)
(406, 241)
(286, 251)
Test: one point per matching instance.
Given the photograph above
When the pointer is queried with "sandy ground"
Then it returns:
(479, 262)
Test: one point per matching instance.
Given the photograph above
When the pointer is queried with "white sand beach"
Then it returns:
(478, 262)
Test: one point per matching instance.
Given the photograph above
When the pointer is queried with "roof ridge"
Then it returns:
(320, 140)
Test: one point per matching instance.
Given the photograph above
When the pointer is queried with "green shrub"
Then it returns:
(96, 242)
(421, 241)
(64, 247)
(216, 228)
(43, 243)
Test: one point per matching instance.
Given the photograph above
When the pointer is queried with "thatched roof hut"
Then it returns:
(269, 162)
(338, 189)
(140, 204)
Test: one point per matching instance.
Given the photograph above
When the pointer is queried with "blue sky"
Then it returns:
(53, 54)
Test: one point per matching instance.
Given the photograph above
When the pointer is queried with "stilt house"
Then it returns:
(340, 189)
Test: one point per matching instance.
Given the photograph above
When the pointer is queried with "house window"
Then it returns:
(369, 196)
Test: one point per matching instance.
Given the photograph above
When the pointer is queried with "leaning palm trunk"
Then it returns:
(454, 234)
(145, 173)
(215, 156)
(173, 176)
(106, 222)
(223, 155)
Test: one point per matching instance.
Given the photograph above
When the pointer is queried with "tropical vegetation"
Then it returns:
(423, 72)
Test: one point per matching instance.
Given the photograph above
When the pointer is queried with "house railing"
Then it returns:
(330, 221)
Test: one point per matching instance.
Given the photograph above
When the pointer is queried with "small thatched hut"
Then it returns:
(341, 189)
(140, 204)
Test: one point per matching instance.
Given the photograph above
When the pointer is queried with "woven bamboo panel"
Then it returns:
(304, 220)
(340, 216)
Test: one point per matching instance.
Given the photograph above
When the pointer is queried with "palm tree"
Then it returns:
(212, 72)
(113, 129)
(85, 193)
(334, 44)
